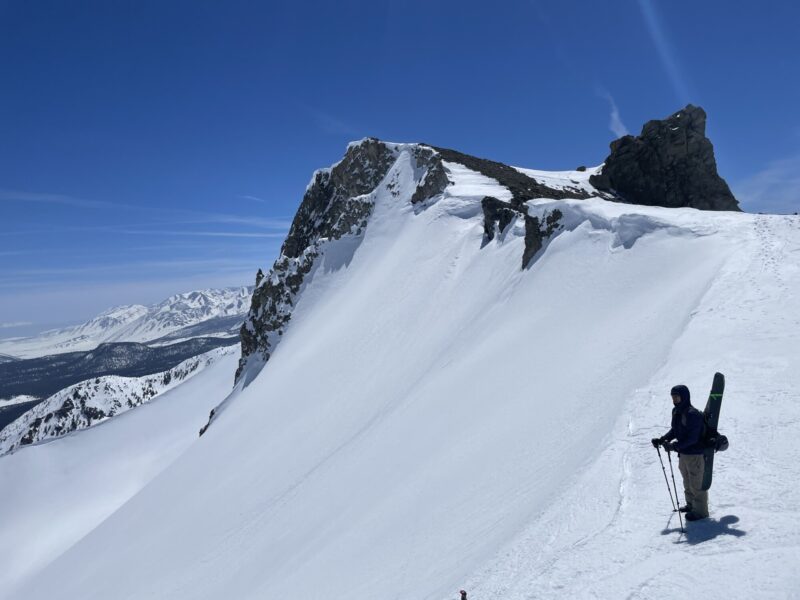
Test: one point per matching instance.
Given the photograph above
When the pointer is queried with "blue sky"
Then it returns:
(152, 147)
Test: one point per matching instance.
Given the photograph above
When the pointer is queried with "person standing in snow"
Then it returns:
(687, 431)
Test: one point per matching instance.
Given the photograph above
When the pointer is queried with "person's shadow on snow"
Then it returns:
(698, 532)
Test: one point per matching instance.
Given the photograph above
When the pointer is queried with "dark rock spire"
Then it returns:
(671, 163)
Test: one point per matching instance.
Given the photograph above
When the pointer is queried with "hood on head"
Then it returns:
(683, 392)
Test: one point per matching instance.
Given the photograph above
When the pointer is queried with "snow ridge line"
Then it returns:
(93, 401)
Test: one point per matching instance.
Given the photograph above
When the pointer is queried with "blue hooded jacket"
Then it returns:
(687, 424)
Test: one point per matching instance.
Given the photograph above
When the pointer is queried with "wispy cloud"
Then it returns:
(615, 123)
(165, 215)
(232, 234)
(774, 189)
(263, 222)
(120, 271)
(46, 198)
(70, 229)
(664, 49)
(13, 324)
(182, 216)
(330, 124)
(253, 198)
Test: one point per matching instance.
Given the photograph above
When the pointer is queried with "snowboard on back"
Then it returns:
(711, 415)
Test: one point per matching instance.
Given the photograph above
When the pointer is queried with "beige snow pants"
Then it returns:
(691, 467)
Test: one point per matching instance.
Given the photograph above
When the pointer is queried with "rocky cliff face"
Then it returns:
(671, 163)
(339, 201)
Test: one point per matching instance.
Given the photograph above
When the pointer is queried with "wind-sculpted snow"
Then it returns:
(91, 402)
(627, 226)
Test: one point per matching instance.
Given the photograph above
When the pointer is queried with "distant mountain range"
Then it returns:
(207, 313)
(126, 341)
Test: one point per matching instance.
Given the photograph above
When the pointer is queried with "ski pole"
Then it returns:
(671, 472)
(669, 489)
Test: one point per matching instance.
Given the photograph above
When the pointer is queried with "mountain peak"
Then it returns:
(670, 164)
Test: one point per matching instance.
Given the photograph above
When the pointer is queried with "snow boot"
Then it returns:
(692, 516)
(686, 509)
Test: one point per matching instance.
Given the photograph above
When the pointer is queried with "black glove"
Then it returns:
(656, 442)
(671, 446)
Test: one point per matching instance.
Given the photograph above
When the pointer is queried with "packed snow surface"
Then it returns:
(436, 418)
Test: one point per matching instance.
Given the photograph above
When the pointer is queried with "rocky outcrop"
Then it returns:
(522, 187)
(435, 179)
(671, 163)
(498, 215)
(538, 231)
(337, 203)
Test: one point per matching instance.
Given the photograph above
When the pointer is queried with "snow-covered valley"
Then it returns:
(436, 417)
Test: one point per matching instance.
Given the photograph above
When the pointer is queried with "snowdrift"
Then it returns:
(436, 417)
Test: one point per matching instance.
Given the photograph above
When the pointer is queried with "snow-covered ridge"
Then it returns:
(93, 401)
(21, 399)
(340, 200)
(137, 323)
(439, 414)
(434, 414)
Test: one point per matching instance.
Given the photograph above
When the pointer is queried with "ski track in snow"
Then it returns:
(436, 418)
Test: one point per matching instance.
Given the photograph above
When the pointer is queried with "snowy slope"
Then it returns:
(436, 418)
(93, 401)
(612, 533)
(55, 493)
(137, 323)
